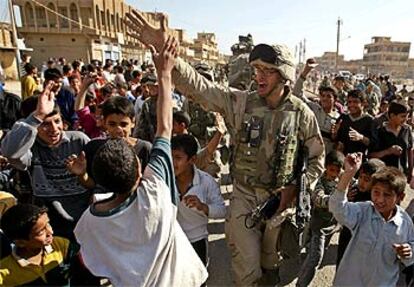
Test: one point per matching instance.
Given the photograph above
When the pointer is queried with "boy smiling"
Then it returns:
(383, 233)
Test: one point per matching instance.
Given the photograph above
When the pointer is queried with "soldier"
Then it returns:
(203, 123)
(266, 127)
(240, 73)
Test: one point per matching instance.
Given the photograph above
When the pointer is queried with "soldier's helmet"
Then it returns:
(278, 57)
(205, 70)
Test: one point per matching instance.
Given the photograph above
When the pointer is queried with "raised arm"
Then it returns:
(186, 79)
(346, 213)
(19, 140)
(164, 62)
(80, 97)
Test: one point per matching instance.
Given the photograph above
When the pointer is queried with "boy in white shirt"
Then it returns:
(199, 193)
(133, 238)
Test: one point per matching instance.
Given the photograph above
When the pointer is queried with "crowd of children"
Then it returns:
(119, 188)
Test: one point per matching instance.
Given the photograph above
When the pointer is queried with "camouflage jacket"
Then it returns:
(256, 131)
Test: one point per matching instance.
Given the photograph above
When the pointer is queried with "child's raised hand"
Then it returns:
(76, 164)
(353, 162)
(403, 250)
(165, 59)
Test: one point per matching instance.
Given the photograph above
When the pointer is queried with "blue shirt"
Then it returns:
(370, 259)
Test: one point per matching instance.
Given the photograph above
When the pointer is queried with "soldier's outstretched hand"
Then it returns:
(165, 59)
(145, 32)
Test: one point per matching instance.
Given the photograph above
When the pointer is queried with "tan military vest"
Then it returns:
(267, 143)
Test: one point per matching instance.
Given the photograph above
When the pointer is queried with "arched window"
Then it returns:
(103, 21)
(108, 20)
(41, 16)
(51, 16)
(74, 15)
(117, 23)
(64, 23)
(29, 15)
(98, 21)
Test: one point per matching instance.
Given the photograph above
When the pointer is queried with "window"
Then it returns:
(29, 15)
(51, 16)
(86, 16)
(41, 17)
(64, 23)
(103, 20)
(74, 15)
(117, 23)
(98, 22)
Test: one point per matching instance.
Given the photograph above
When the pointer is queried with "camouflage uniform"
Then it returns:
(147, 124)
(253, 166)
(240, 72)
(203, 128)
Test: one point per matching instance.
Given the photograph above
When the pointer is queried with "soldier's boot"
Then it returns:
(270, 277)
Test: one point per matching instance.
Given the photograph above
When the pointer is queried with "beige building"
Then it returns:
(206, 49)
(93, 29)
(328, 61)
(8, 52)
(385, 56)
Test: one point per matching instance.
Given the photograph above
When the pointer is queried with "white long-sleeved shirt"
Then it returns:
(370, 259)
(193, 221)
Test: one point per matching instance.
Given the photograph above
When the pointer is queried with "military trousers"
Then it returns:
(246, 244)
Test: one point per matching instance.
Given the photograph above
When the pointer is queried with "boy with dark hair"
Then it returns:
(199, 193)
(207, 158)
(37, 258)
(354, 130)
(382, 232)
(181, 122)
(39, 145)
(360, 191)
(322, 223)
(393, 141)
(118, 119)
(141, 216)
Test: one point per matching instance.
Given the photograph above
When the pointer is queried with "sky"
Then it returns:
(289, 22)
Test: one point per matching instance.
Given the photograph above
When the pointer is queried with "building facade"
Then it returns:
(90, 29)
(385, 56)
(93, 29)
(206, 48)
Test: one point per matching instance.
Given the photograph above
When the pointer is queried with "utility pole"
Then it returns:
(338, 34)
(296, 51)
(14, 31)
(304, 50)
(300, 52)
